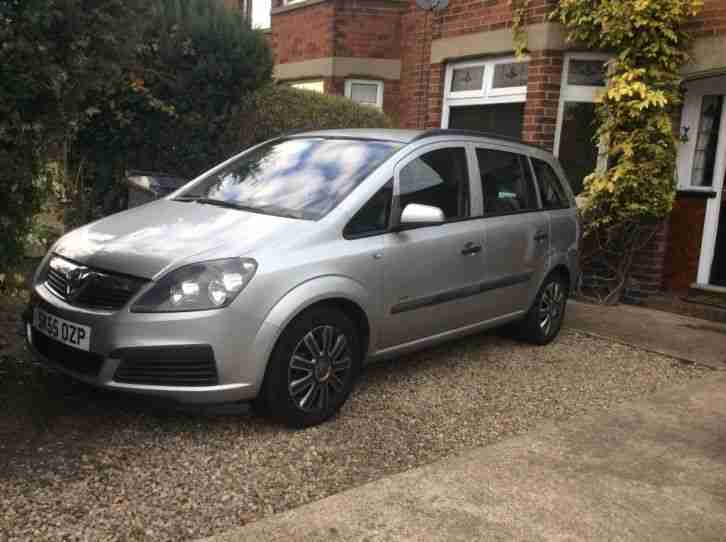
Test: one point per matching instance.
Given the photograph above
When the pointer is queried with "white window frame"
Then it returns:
(579, 93)
(484, 96)
(690, 117)
(290, 2)
(507, 91)
(379, 90)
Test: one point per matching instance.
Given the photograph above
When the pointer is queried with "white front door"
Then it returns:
(702, 157)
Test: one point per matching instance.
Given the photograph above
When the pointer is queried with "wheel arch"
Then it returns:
(340, 292)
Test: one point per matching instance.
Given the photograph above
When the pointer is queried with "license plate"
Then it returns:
(61, 330)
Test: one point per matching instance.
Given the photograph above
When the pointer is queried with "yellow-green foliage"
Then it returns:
(275, 110)
(635, 112)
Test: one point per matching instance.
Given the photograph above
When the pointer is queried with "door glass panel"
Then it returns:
(578, 152)
(467, 79)
(506, 184)
(512, 74)
(586, 73)
(498, 119)
(439, 178)
(704, 160)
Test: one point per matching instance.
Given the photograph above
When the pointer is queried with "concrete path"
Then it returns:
(681, 337)
(654, 470)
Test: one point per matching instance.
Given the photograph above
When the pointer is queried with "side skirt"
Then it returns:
(425, 342)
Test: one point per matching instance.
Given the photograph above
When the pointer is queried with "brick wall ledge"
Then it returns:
(540, 37)
(337, 66)
(296, 5)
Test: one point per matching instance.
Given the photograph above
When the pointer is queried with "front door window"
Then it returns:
(704, 160)
(578, 152)
(583, 82)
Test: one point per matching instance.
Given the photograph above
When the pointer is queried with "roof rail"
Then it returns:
(473, 133)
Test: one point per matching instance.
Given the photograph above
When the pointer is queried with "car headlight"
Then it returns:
(198, 286)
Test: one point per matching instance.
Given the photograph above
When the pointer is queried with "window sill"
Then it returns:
(705, 193)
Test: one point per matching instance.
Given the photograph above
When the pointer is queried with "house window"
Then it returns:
(467, 79)
(365, 92)
(583, 82)
(313, 86)
(704, 159)
(487, 96)
(510, 75)
(288, 2)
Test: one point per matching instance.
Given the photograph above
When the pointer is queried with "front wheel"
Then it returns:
(544, 319)
(312, 369)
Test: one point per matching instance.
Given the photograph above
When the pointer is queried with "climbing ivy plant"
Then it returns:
(635, 113)
(519, 12)
(623, 204)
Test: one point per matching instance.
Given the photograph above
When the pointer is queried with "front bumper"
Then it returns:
(238, 348)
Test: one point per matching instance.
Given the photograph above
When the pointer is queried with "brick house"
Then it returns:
(455, 68)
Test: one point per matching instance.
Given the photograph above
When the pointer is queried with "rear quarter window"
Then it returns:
(553, 194)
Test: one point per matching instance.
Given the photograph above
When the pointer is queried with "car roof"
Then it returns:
(379, 134)
(409, 136)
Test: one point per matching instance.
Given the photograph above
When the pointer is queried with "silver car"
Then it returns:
(275, 276)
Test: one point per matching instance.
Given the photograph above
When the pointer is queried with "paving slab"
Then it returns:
(682, 337)
(652, 470)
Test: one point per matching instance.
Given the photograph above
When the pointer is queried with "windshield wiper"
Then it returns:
(267, 210)
(186, 198)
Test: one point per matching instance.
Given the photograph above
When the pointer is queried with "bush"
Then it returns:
(58, 58)
(195, 60)
(275, 110)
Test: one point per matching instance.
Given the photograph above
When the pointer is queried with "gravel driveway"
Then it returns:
(108, 468)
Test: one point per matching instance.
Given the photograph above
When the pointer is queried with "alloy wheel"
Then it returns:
(551, 307)
(319, 368)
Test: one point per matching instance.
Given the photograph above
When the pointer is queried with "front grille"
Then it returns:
(191, 365)
(89, 287)
(73, 359)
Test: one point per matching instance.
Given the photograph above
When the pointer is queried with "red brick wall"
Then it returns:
(347, 28)
(712, 19)
(467, 16)
(421, 83)
(543, 95)
(647, 272)
(304, 33)
(370, 29)
(684, 243)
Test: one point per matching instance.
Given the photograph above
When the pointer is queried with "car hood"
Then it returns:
(147, 240)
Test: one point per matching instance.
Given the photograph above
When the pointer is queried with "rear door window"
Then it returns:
(506, 182)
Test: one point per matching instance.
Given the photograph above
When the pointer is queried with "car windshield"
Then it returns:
(298, 177)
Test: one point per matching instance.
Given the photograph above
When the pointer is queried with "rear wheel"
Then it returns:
(312, 369)
(544, 319)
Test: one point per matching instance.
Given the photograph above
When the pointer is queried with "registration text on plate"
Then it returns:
(61, 330)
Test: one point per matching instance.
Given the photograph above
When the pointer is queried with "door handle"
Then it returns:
(541, 236)
(471, 248)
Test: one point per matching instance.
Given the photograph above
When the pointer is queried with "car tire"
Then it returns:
(312, 369)
(544, 319)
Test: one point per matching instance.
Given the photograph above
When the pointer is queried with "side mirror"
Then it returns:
(415, 214)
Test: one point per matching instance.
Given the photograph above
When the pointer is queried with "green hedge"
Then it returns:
(275, 110)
